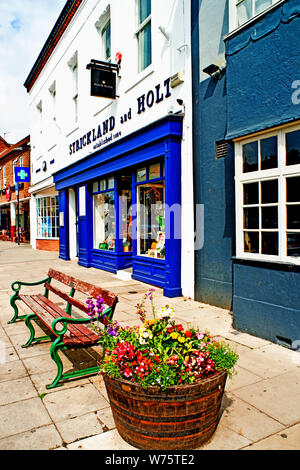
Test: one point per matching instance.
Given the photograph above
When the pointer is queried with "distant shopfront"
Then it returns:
(121, 206)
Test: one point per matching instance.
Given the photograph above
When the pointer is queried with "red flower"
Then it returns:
(188, 334)
(179, 327)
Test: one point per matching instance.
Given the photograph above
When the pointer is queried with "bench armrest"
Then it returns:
(74, 321)
(16, 285)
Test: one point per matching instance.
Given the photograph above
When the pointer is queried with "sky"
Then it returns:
(24, 27)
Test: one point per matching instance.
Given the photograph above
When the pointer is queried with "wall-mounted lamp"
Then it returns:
(214, 71)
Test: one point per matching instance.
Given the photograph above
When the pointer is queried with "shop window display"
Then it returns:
(47, 217)
(104, 215)
(151, 215)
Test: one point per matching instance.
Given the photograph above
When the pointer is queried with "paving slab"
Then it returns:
(278, 397)
(78, 428)
(22, 416)
(16, 390)
(110, 440)
(289, 439)
(43, 438)
(73, 402)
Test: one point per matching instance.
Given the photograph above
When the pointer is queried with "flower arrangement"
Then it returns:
(159, 352)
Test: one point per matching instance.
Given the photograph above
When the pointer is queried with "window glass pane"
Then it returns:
(151, 220)
(104, 221)
(154, 171)
(126, 205)
(269, 217)
(110, 183)
(269, 243)
(95, 187)
(244, 11)
(144, 40)
(250, 157)
(269, 192)
(102, 185)
(293, 244)
(261, 5)
(47, 217)
(145, 9)
(293, 217)
(106, 41)
(141, 175)
(251, 218)
(269, 157)
(293, 189)
(251, 242)
(251, 193)
(293, 148)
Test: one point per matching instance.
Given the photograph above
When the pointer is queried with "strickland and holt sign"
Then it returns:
(106, 131)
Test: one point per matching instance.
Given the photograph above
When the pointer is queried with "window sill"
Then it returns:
(140, 77)
(270, 264)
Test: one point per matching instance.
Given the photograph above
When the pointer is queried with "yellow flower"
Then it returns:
(174, 335)
(181, 339)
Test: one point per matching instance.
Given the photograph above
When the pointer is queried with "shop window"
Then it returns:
(104, 215)
(151, 215)
(247, 9)
(47, 217)
(268, 196)
(143, 34)
(126, 211)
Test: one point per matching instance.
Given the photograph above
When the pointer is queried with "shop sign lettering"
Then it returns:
(103, 134)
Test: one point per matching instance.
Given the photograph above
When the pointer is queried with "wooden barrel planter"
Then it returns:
(180, 417)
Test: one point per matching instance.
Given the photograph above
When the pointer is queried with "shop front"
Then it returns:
(127, 206)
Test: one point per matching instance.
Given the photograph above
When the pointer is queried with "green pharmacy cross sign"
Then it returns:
(22, 175)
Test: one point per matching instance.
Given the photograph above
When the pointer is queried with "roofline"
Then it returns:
(16, 147)
(54, 37)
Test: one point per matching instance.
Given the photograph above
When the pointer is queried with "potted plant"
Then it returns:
(165, 383)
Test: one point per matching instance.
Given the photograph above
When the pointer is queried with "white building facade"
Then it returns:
(112, 179)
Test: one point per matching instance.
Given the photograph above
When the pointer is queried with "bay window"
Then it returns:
(268, 197)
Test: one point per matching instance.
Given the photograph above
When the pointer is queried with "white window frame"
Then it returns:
(14, 163)
(40, 214)
(73, 65)
(39, 108)
(234, 12)
(280, 173)
(101, 26)
(4, 176)
(52, 91)
(139, 31)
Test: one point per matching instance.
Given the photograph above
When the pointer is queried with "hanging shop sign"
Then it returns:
(22, 174)
(103, 79)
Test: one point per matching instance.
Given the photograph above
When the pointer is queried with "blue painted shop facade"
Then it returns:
(250, 261)
(121, 192)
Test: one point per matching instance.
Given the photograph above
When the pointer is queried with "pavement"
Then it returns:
(260, 408)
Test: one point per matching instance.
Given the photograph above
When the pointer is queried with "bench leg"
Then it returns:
(32, 339)
(55, 347)
(16, 312)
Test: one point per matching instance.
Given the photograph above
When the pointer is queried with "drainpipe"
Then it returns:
(195, 47)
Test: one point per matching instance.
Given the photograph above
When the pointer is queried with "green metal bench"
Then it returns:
(65, 331)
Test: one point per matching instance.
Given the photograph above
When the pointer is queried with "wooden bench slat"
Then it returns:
(48, 311)
(67, 298)
(78, 333)
(84, 287)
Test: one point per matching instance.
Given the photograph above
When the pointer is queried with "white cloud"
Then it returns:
(24, 28)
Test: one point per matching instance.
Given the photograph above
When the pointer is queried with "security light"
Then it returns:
(215, 71)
